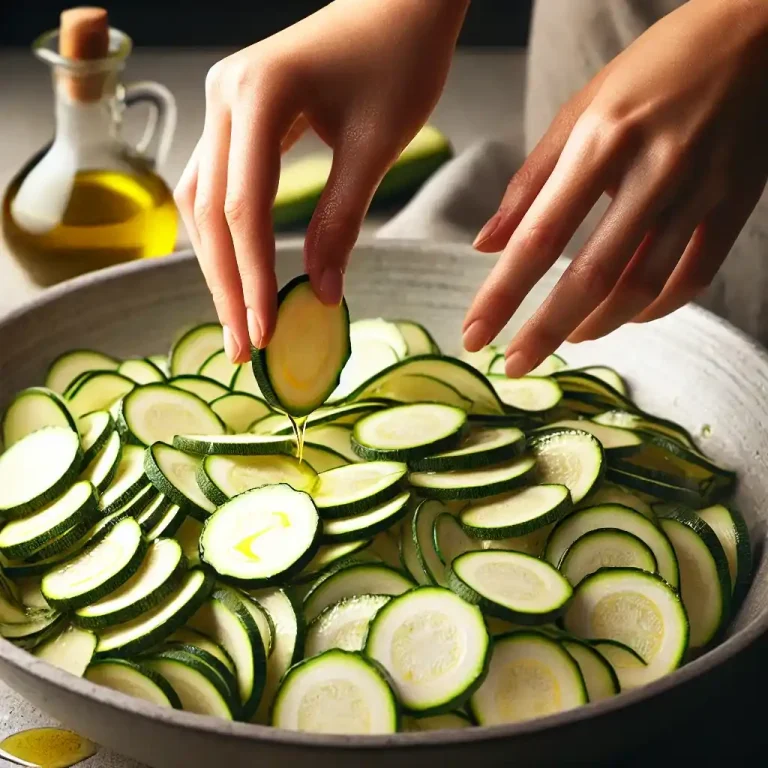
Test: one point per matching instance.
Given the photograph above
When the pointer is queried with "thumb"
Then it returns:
(358, 167)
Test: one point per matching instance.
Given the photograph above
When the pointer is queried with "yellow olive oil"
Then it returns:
(112, 216)
(47, 747)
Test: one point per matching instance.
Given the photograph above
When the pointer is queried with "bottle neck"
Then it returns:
(82, 124)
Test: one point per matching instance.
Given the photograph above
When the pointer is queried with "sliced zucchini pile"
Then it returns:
(170, 532)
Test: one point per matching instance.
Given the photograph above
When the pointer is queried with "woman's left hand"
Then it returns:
(675, 130)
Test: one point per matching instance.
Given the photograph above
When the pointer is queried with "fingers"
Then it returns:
(574, 186)
(253, 174)
(649, 269)
(359, 164)
(589, 278)
(220, 273)
(294, 133)
(703, 256)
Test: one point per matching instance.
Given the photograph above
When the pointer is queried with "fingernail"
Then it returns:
(517, 365)
(490, 227)
(476, 336)
(231, 346)
(330, 286)
(254, 329)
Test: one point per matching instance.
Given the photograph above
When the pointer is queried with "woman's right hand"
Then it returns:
(365, 75)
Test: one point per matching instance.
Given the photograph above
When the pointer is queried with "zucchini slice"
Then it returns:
(244, 381)
(641, 480)
(357, 579)
(95, 429)
(321, 459)
(446, 722)
(530, 675)
(616, 441)
(582, 521)
(37, 468)
(223, 678)
(188, 536)
(646, 423)
(345, 414)
(130, 678)
(97, 391)
(606, 548)
(97, 571)
(69, 365)
(222, 477)
(569, 457)
(613, 494)
(546, 367)
(366, 360)
(483, 358)
(336, 692)
(409, 555)
(510, 585)
(129, 479)
(409, 431)
(141, 371)
(39, 627)
(161, 363)
(102, 468)
(206, 389)
(191, 638)
(225, 618)
(157, 576)
(32, 409)
(153, 626)
(422, 530)
(456, 373)
(430, 628)
(474, 483)
(530, 393)
(599, 677)
(261, 535)
(158, 412)
(705, 584)
(238, 410)
(331, 556)
(356, 488)
(608, 375)
(481, 447)
(173, 518)
(623, 659)
(368, 523)
(378, 329)
(417, 338)
(71, 651)
(302, 363)
(233, 445)
(288, 643)
(21, 537)
(343, 625)
(451, 540)
(219, 368)
(637, 609)
(155, 510)
(199, 688)
(194, 347)
(516, 513)
(336, 437)
(731, 529)
(174, 474)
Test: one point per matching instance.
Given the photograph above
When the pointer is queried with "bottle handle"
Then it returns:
(161, 124)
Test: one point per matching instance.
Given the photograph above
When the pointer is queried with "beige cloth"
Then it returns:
(571, 40)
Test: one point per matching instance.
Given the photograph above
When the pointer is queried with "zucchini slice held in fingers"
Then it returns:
(302, 363)
(336, 692)
(262, 535)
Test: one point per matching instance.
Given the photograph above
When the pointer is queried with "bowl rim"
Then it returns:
(47, 673)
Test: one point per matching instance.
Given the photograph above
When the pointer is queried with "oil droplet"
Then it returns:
(47, 748)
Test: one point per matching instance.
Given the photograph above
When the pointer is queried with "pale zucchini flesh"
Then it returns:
(132, 679)
(32, 409)
(343, 625)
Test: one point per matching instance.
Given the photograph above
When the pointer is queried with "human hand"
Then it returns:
(674, 131)
(364, 74)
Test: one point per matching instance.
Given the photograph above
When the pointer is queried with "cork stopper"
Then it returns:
(84, 35)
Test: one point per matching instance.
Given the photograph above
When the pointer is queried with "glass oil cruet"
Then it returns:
(88, 199)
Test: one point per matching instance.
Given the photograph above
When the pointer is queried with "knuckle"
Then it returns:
(593, 277)
(183, 196)
(203, 213)
(236, 210)
(539, 237)
(214, 79)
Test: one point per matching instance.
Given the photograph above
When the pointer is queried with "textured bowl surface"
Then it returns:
(691, 367)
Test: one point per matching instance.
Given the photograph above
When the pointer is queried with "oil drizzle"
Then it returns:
(299, 426)
(47, 748)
